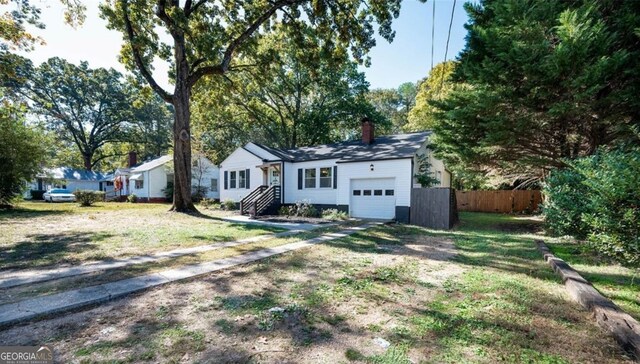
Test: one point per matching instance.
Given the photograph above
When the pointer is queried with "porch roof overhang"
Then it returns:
(268, 164)
(137, 176)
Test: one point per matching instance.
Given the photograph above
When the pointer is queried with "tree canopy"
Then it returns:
(541, 82)
(394, 104)
(286, 103)
(210, 38)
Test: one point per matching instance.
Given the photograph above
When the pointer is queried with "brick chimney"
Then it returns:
(368, 131)
(133, 159)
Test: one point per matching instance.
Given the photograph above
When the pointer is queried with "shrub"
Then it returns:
(604, 190)
(284, 211)
(37, 194)
(302, 208)
(199, 193)
(168, 192)
(88, 197)
(334, 214)
(229, 205)
(132, 198)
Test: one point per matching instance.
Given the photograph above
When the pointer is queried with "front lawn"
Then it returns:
(480, 293)
(37, 234)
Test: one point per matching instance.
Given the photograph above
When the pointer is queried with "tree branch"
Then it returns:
(166, 96)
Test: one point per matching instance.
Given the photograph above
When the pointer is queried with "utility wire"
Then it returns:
(433, 29)
(446, 49)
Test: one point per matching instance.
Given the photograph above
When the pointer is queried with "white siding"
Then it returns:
(203, 173)
(240, 159)
(314, 195)
(400, 169)
(155, 182)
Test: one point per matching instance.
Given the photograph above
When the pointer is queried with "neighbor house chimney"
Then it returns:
(368, 131)
(133, 159)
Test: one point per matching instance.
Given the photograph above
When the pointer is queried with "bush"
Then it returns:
(334, 214)
(229, 205)
(168, 192)
(88, 197)
(604, 191)
(37, 194)
(285, 211)
(132, 198)
(302, 208)
(199, 193)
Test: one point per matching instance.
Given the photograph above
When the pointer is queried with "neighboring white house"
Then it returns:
(368, 178)
(149, 180)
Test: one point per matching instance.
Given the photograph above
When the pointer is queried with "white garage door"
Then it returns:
(373, 198)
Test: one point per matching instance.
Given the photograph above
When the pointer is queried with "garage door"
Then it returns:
(373, 198)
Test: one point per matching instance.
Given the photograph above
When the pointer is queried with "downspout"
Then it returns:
(282, 183)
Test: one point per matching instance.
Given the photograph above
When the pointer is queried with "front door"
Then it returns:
(274, 176)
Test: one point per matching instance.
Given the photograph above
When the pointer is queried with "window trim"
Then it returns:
(329, 177)
(306, 179)
(217, 187)
(232, 180)
(242, 179)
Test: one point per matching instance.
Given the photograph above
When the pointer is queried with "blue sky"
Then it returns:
(408, 58)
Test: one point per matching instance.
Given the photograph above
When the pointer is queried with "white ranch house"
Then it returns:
(368, 178)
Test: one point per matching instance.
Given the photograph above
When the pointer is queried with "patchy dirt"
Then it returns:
(296, 219)
(324, 301)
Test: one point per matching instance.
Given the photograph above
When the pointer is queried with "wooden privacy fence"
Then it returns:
(499, 201)
(434, 208)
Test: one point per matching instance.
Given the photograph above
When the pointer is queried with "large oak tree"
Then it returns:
(205, 38)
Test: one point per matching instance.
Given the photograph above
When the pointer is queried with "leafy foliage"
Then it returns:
(598, 198)
(229, 205)
(540, 83)
(394, 105)
(302, 208)
(334, 214)
(88, 197)
(436, 86)
(424, 176)
(212, 38)
(132, 198)
(284, 103)
(22, 151)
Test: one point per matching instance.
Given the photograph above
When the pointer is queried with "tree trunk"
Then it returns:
(182, 201)
(86, 158)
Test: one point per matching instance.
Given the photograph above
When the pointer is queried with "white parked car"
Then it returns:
(59, 195)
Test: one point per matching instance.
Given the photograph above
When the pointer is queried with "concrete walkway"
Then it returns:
(36, 276)
(47, 305)
(243, 219)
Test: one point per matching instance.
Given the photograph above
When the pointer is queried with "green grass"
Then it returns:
(620, 284)
(43, 234)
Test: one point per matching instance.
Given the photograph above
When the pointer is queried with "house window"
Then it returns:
(214, 185)
(310, 178)
(232, 179)
(388, 192)
(357, 192)
(242, 179)
(325, 177)
(377, 192)
(139, 184)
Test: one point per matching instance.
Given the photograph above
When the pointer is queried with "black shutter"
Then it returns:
(299, 178)
(248, 179)
(226, 178)
(335, 177)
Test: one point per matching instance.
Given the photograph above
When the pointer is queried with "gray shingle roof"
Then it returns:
(384, 147)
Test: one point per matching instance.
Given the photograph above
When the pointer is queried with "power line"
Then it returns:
(446, 49)
(433, 29)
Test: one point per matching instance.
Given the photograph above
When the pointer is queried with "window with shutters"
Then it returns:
(232, 179)
(242, 179)
(310, 178)
(326, 179)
